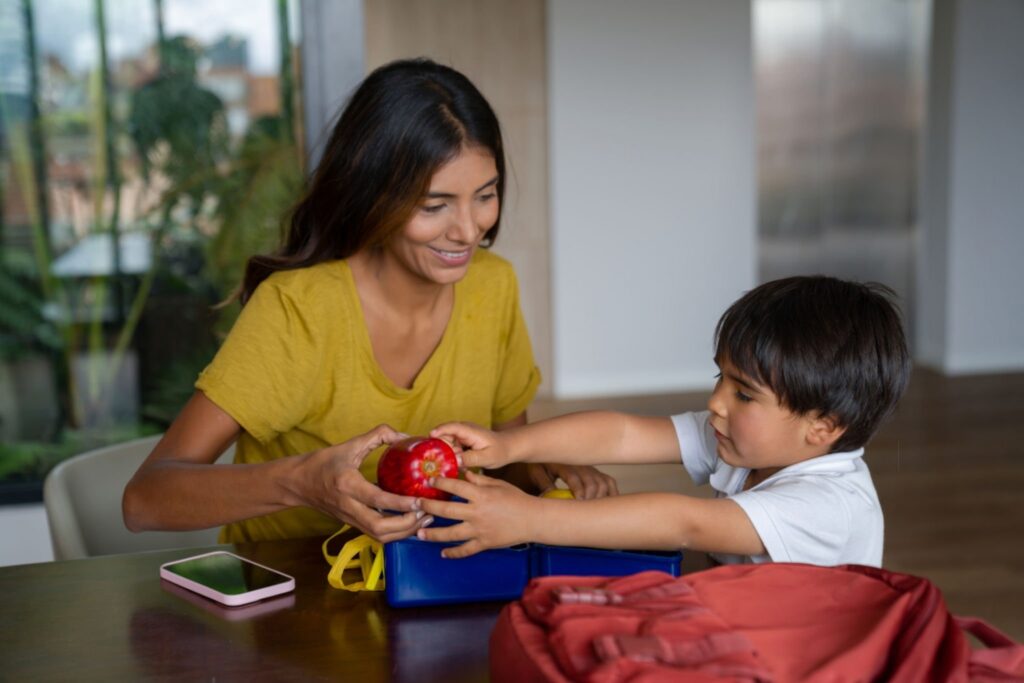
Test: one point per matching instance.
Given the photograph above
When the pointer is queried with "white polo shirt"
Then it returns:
(822, 511)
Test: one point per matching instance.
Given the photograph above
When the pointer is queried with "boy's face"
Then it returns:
(755, 431)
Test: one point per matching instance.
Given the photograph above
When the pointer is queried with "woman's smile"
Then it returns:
(453, 258)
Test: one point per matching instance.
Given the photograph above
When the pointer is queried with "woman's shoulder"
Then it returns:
(305, 290)
(300, 279)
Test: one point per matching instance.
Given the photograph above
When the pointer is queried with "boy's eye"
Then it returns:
(743, 397)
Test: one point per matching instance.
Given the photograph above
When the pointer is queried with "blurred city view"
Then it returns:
(147, 148)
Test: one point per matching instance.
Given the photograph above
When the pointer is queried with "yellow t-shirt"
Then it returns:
(298, 373)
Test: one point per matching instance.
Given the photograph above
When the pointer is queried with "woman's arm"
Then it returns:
(177, 486)
(498, 515)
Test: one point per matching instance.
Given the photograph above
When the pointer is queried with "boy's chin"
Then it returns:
(727, 458)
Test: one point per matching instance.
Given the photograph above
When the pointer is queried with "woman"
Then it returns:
(379, 308)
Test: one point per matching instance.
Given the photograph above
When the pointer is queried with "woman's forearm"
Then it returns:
(173, 495)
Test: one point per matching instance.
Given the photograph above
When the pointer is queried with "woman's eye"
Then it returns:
(487, 197)
(431, 208)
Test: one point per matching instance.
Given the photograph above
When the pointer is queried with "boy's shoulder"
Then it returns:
(821, 511)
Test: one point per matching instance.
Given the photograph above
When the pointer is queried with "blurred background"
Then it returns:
(666, 156)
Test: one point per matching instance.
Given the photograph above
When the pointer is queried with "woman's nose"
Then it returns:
(465, 228)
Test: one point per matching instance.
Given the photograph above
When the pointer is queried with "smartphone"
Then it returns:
(227, 578)
(231, 613)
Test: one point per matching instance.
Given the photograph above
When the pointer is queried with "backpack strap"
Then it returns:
(724, 654)
(1002, 654)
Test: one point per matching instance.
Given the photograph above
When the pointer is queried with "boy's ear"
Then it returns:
(825, 430)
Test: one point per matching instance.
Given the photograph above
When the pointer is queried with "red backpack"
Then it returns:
(769, 622)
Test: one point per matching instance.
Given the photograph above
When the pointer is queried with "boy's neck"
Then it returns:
(755, 477)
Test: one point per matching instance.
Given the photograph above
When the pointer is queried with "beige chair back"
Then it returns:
(82, 496)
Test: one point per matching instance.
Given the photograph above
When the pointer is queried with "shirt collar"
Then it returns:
(730, 479)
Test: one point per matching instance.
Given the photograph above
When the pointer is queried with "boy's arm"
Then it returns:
(499, 515)
(589, 438)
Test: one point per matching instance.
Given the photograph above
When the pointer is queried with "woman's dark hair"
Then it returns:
(823, 346)
(406, 120)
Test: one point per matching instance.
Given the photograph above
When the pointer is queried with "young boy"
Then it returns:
(809, 367)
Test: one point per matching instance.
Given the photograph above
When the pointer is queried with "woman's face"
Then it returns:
(460, 206)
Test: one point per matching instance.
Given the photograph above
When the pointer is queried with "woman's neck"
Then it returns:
(381, 278)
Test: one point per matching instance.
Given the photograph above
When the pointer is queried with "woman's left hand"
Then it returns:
(584, 481)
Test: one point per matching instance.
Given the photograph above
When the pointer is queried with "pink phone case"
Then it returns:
(228, 612)
(225, 598)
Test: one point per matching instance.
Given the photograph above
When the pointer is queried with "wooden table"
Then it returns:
(113, 619)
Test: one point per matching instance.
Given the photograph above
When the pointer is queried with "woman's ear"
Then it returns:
(824, 431)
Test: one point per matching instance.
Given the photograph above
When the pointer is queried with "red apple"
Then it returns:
(407, 466)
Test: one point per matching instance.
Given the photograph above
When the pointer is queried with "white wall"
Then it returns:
(24, 535)
(971, 274)
(652, 188)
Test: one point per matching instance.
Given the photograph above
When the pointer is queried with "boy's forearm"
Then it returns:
(588, 438)
(645, 521)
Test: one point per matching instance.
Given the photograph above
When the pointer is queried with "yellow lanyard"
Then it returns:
(363, 553)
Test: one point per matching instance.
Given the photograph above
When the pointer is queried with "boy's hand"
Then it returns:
(584, 481)
(496, 515)
(479, 447)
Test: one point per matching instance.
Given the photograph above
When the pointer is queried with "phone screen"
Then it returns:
(226, 573)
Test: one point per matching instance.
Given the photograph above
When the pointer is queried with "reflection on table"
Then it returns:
(113, 618)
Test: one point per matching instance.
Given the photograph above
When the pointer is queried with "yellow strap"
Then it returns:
(363, 553)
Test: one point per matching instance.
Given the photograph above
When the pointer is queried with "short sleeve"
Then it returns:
(800, 519)
(519, 375)
(699, 456)
(262, 375)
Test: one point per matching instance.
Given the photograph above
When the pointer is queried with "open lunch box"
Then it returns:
(416, 574)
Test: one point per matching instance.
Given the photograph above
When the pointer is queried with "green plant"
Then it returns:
(23, 326)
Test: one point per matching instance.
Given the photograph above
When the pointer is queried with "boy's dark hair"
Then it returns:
(823, 346)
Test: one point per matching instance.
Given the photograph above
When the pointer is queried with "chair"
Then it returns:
(82, 496)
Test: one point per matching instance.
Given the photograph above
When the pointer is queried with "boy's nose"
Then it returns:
(715, 403)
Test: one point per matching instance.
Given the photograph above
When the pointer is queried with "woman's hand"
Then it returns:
(584, 481)
(330, 481)
(496, 514)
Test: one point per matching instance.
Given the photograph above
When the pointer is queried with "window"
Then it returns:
(147, 148)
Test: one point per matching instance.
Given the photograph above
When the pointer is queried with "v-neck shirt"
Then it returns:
(298, 372)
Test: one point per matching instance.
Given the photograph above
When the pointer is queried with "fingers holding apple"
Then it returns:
(479, 447)
(354, 451)
(409, 466)
(329, 480)
(496, 514)
(350, 498)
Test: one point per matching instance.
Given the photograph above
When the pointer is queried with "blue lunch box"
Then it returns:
(550, 560)
(416, 574)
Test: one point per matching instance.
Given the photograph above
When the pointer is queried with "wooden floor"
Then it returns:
(949, 469)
